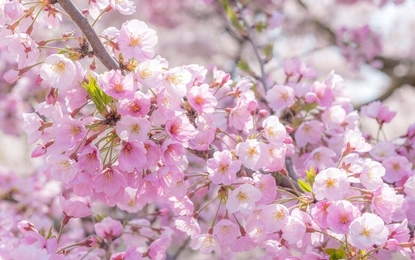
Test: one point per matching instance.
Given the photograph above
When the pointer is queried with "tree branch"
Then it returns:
(99, 50)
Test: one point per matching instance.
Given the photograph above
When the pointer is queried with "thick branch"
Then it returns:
(96, 44)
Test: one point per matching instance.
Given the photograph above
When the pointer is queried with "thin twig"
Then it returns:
(99, 50)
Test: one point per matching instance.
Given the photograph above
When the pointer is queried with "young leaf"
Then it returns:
(97, 96)
(304, 185)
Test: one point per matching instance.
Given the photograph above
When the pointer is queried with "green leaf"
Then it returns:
(233, 17)
(309, 107)
(304, 185)
(335, 254)
(310, 175)
(50, 234)
(269, 51)
(244, 66)
(97, 96)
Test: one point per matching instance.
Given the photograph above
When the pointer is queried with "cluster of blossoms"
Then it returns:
(359, 45)
(182, 152)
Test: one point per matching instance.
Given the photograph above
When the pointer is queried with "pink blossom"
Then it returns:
(243, 243)
(133, 129)
(280, 97)
(75, 207)
(226, 231)
(321, 94)
(69, 132)
(331, 184)
(187, 224)
(268, 188)
(172, 152)
(58, 71)
(252, 153)
(359, 45)
(168, 104)
(132, 156)
(62, 168)
(24, 48)
(340, 214)
(109, 228)
(206, 243)
(243, 199)
(383, 150)
(136, 40)
(319, 212)
(274, 131)
(354, 141)
(294, 229)
(379, 112)
(202, 140)
(222, 168)
(31, 124)
(149, 72)
(109, 181)
(202, 99)
(175, 81)
(180, 129)
(334, 116)
(372, 173)
(274, 216)
(367, 230)
(409, 187)
(239, 116)
(320, 158)
(125, 7)
(137, 106)
(384, 203)
(116, 85)
(276, 156)
(397, 167)
(308, 132)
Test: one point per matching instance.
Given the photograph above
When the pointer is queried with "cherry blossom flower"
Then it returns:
(252, 153)
(206, 243)
(180, 129)
(109, 228)
(280, 97)
(175, 81)
(367, 230)
(274, 216)
(308, 132)
(384, 203)
(116, 85)
(397, 167)
(294, 229)
(222, 168)
(75, 207)
(58, 71)
(137, 106)
(133, 129)
(383, 150)
(331, 184)
(274, 131)
(132, 156)
(109, 181)
(136, 40)
(377, 111)
(372, 173)
(340, 214)
(125, 7)
(243, 199)
(187, 224)
(226, 231)
(201, 99)
(354, 141)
